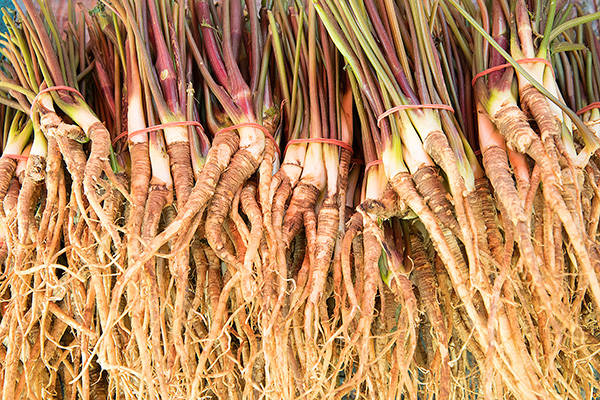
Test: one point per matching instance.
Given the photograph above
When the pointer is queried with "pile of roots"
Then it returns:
(305, 199)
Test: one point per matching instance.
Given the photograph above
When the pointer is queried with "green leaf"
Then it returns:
(565, 46)
(572, 24)
(592, 143)
(383, 268)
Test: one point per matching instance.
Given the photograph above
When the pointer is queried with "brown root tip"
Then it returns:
(429, 184)
(304, 197)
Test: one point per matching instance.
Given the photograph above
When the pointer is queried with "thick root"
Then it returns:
(99, 152)
(242, 166)
(429, 184)
(140, 181)
(304, 197)
(7, 170)
(217, 161)
(406, 191)
(425, 280)
(513, 125)
(29, 196)
(181, 170)
(488, 210)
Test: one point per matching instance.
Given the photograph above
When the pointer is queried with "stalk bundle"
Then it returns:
(320, 199)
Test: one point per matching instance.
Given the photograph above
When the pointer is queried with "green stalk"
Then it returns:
(7, 86)
(363, 30)
(18, 135)
(198, 147)
(120, 45)
(296, 68)
(278, 50)
(535, 23)
(262, 81)
(315, 113)
(423, 120)
(429, 52)
(230, 108)
(571, 24)
(457, 35)
(51, 23)
(40, 144)
(591, 142)
(115, 166)
(38, 42)
(72, 105)
(543, 48)
(24, 49)
(12, 104)
(376, 59)
(428, 121)
(339, 38)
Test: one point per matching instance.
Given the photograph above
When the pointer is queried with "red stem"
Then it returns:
(164, 63)
(211, 46)
(389, 51)
(239, 90)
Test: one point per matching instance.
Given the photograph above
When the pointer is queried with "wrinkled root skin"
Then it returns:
(140, 181)
(304, 197)
(429, 184)
(490, 219)
(225, 145)
(537, 104)
(512, 124)
(29, 195)
(243, 165)
(425, 280)
(181, 170)
(100, 138)
(7, 171)
(388, 206)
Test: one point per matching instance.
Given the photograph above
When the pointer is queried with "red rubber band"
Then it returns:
(372, 164)
(588, 108)
(502, 66)
(251, 125)
(120, 136)
(53, 88)
(335, 142)
(413, 107)
(243, 125)
(17, 157)
(153, 128)
(194, 123)
(162, 126)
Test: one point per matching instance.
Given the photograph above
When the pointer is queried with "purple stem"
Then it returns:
(389, 50)
(164, 63)
(211, 46)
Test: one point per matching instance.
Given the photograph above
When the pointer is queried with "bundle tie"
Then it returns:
(372, 164)
(334, 142)
(588, 108)
(119, 137)
(54, 88)
(17, 157)
(251, 125)
(412, 107)
(155, 128)
(502, 66)
(195, 123)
